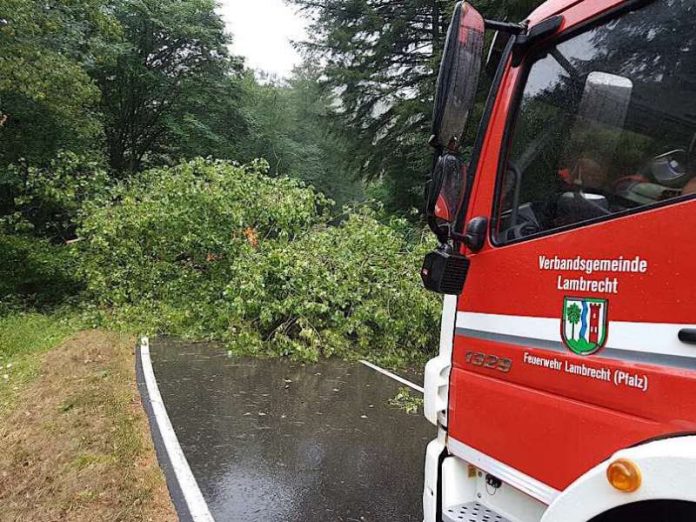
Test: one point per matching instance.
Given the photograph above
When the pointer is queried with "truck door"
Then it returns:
(575, 330)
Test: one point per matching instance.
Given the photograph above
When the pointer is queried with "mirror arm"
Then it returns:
(456, 236)
(505, 27)
(535, 33)
(475, 236)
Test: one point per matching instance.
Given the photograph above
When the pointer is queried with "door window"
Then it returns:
(606, 124)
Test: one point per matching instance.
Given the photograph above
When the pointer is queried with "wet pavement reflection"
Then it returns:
(279, 441)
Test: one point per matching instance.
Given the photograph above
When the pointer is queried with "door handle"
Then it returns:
(688, 335)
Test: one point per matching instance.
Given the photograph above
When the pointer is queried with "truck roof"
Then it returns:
(550, 8)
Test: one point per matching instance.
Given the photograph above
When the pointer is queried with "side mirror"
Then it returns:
(459, 76)
(454, 99)
(445, 192)
(444, 270)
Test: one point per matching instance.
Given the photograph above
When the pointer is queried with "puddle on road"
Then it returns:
(281, 441)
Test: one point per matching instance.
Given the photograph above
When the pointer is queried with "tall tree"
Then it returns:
(379, 57)
(48, 101)
(48, 104)
(173, 62)
(290, 127)
(324, 162)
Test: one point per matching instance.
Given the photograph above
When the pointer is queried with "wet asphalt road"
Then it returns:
(278, 441)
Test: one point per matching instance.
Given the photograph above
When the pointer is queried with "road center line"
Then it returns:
(393, 376)
(197, 506)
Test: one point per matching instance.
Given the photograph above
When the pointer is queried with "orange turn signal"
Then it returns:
(624, 475)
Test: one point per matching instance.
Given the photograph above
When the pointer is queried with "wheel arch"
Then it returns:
(668, 469)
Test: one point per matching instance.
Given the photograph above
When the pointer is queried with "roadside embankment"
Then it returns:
(75, 440)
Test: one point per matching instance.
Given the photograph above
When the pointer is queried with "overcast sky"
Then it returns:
(262, 30)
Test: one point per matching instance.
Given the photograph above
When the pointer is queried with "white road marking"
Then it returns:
(198, 508)
(392, 376)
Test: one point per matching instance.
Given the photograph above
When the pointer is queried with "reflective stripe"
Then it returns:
(650, 343)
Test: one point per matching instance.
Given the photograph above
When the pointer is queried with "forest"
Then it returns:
(151, 182)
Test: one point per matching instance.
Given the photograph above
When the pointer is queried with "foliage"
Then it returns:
(214, 250)
(172, 231)
(35, 274)
(289, 126)
(47, 201)
(336, 290)
(48, 101)
(148, 83)
(407, 401)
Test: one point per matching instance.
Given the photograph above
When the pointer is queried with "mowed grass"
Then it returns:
(74, 439)
(23, 339)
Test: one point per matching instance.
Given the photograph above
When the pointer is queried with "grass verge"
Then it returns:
(75, 443)
(23, 339)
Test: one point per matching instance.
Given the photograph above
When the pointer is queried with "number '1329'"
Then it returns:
(492, 362)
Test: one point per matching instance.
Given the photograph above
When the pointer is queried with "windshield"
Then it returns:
(606, 124)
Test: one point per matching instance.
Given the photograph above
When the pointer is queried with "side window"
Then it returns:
(606, 124)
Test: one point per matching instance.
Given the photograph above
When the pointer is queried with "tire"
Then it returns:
(651, 511)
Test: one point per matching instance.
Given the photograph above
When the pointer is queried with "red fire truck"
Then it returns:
(565, 387)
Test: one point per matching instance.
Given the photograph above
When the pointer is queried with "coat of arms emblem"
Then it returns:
(584, 327)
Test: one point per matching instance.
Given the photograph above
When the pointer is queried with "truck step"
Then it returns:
(471, 512)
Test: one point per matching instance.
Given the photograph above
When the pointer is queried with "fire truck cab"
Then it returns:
(565, 385)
